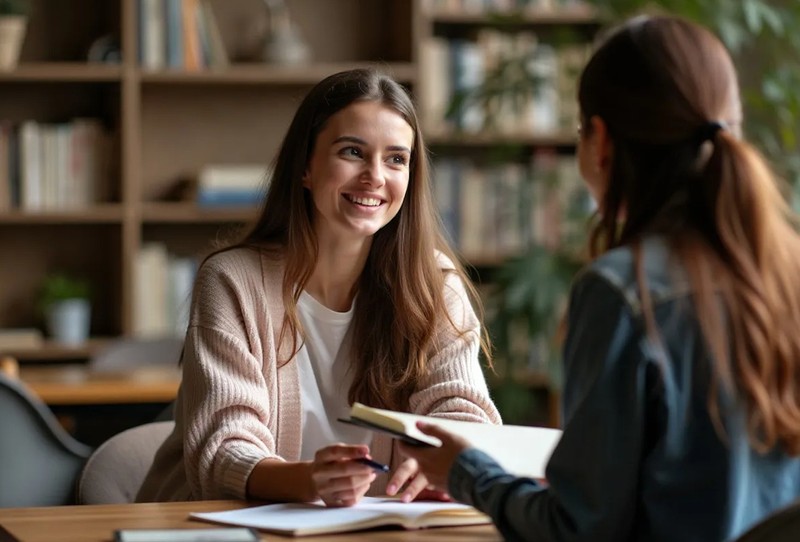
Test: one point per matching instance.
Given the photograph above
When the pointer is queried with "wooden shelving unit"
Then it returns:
(109, 213)
(164, 125)
(494, 155)
(272, 75)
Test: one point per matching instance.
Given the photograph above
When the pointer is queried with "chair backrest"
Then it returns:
(116, 470)
(781, 526)
(39, 460)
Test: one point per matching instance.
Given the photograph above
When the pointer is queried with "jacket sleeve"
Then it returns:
(593, 473)
(226, 400)
(455, 386)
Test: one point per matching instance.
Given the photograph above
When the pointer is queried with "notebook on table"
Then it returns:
(304, 519)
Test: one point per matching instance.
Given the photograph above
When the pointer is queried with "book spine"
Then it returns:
(175, 38)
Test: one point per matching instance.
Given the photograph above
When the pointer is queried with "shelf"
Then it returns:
(264, 74)
(52, 351)
(64, 71)
(100, 214)
(585, 16)
(189, 213)
(486, 139)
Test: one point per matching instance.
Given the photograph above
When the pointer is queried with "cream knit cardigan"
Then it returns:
(237, 406)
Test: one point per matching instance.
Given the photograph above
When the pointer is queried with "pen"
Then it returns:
(380, 467)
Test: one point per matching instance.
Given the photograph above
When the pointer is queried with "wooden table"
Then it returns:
(96, 523)
(80, 385)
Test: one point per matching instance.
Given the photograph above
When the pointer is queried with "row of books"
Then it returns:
(506, 83)
(163, 287)
(503, 6)
(497, 210)
(180, 34)
(226, 185)
(52, 166)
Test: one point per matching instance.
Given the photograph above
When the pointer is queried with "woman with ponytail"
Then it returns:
(682, 356)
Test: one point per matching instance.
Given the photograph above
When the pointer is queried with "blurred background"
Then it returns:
(137, 134)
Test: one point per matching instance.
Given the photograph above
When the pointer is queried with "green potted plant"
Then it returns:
(64, 301)
(13, 23)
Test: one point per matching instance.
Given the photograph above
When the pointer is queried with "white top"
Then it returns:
(323, 364)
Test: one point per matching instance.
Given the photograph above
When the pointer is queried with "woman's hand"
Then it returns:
(418, 487)
(337, 478)
(434, 463)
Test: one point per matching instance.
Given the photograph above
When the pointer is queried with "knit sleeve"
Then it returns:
(455, 386)
(227, 401)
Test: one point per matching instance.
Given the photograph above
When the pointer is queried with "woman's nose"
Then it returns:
(373, 172)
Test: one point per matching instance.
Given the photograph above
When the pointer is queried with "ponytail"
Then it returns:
(755, 268)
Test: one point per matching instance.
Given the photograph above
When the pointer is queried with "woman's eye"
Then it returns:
(399, 159)
(351, 151)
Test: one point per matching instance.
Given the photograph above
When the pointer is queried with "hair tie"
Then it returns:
(709, 131)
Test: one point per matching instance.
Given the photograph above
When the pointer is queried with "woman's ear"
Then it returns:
(602, 148)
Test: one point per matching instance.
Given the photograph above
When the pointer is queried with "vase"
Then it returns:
(12, 34)
(285, 46)
(68, 321)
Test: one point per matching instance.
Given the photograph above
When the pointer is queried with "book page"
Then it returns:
(316, 518)
(521, 450)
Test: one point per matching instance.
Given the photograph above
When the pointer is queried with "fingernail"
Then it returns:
(406, 498)
(391, 488)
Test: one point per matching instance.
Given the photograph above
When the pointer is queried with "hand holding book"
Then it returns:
(414, 485)
(435, 462)
(521, 450)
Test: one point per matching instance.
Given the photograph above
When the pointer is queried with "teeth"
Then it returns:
(369, 202)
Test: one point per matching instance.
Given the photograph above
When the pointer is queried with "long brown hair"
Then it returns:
(400, 309)
(667, 90)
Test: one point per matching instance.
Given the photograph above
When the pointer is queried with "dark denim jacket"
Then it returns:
(639, 458)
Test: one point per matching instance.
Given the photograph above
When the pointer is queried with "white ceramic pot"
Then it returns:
(68, 321)
(12, 34)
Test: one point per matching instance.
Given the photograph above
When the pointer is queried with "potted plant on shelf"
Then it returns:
(13, 22)
(67, 311)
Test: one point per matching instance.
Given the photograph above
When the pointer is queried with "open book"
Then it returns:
(520, 450)
(302, 519)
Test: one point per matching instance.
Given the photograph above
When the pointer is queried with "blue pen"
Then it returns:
(380, 467)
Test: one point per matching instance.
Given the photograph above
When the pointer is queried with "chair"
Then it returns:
(781, 526)
(39, 460)
(116, 470)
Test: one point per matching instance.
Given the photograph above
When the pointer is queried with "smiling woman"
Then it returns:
(357, 178)
(344, 290)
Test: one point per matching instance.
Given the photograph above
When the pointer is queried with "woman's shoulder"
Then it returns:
(663, 275)
(241, 265)
(444, 261)
(243, 258)
(239, 280)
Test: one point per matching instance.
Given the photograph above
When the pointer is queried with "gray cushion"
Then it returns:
(116, 470)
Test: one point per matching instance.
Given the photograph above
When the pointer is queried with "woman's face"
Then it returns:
(359, 171)
(594, 157)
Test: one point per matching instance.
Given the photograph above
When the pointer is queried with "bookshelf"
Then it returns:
(164, 124)
(505, 174)
(161, 126)
(494, 153)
